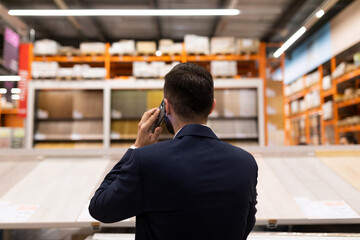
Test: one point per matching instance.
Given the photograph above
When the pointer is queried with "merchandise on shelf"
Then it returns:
(44, 69)
(46, 47)
(123, 47)
(94, 72)
(328, 110)
(349, 93)
(302, 105)
(196, 44)
(68, 51)
(235, 103)
(247, 45)
(78, 71)
(223, 68)
(357, 59)
(294, 107)
(312, 100)
(92, 48)
(168, 47)
(326, 83)
(11, 137)
(222, 45)
(146, 47)
(152, 69)
(312, 79)
(352, 120)
(295, 86)
(226, 128)
(342, 68)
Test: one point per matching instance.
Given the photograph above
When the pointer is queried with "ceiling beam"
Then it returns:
(221, 24)
(221, 4)
(283, 20)
(102, 35)
(19, 26)
(154, 4)
(74, 23)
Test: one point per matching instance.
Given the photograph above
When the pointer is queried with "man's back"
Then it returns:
(194, 187)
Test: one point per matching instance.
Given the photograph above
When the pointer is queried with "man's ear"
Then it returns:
(213, 106)
(167, 106)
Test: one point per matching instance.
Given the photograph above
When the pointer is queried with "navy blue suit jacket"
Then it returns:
(191, 187)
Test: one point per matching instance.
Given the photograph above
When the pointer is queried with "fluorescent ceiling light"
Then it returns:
(11, 78)
(290, 41)
(124, 12)
(320, 13)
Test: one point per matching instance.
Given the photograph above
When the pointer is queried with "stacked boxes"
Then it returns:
(92, 48)
(222, 45)
(196, 44)
(123, 47)
(223, 68)
(152, 69)
(12, 137)
(146, 47)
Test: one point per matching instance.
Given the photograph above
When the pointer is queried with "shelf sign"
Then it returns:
(24, 73)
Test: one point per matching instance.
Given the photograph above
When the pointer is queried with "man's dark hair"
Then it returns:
(190, 90)
(350, 138)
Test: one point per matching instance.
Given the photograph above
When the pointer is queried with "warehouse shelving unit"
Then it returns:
(107, 87)
(120, 67)
(330, 94)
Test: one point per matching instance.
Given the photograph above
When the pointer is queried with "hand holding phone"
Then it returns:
(161, 117)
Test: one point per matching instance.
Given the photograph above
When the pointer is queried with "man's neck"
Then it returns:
(179, 124)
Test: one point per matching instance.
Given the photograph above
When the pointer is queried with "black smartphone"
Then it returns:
(161, 117)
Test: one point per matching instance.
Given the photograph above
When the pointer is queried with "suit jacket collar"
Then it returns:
(196, 130)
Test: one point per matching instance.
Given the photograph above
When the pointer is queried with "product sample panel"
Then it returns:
(293, 188)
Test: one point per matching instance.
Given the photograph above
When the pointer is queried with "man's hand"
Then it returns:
(144, 135)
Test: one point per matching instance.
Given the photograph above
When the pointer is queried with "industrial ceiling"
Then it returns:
(268, 20)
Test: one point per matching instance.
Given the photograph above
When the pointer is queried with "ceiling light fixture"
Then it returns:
(11, 78)
(312, 19)
(320, 13)
(290, 41)
(124, 12)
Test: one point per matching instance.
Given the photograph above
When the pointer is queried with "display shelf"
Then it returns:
(9, 111)
(232, 118)
(302, 93)
(329, 122)
(68, 119)
(354, 128)
(305, 113)
(328, 93)
(207, 58)
(108, 88)
(71, 59)
(322, 170)
(348, 103)
(347, 76)
(151, 58)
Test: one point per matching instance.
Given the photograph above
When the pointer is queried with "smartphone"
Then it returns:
(161, 117)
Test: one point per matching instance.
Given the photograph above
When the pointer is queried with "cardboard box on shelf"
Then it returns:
(222, 45)
(146, 47)
(123, 47)
(195, 44)
(46, 47)
(91, 48)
